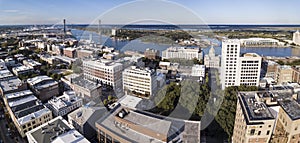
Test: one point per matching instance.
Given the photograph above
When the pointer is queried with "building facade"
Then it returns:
(151, 54)
(109, 73)
(140, 82)
(182, 53)
(229, 62)
(249, 69)
(285, 74)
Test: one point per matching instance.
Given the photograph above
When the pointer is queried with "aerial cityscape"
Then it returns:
(149, 71)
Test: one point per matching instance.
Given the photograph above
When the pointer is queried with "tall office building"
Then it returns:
(239, 70)
(296, 37)
(229, 63)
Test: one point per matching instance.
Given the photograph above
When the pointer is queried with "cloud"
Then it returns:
(10, 10)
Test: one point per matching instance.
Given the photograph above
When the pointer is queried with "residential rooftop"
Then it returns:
(5, 74)
(40, 82)
(51, 131)
(26, 115)
(22, 68)
(10, 84)
(67, 99)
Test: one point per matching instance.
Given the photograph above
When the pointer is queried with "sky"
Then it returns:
(150, 11)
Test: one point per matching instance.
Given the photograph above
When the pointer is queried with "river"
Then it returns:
(138, 45)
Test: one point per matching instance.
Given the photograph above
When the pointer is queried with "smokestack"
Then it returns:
(64, 26)
(99, 31)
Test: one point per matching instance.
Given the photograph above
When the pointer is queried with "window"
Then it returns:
(259, 132)
(252, 131)
(268, 132)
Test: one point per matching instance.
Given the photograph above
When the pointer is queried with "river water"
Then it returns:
(138, 45)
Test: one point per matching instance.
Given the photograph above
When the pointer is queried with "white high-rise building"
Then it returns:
(236, 70)
(229, 63)
(296, 37)
(140, 82)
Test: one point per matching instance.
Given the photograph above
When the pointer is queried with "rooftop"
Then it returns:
(67, 99)
(18, 94)
(80, 81)
(5, 74)
(40, 82)
(157, 124)
(130, 101)
(87, 114)
(22, 68)
(10, 84)
(33, 112)
(292, 108)
(70, 137)
(255, 110)
(48, 132)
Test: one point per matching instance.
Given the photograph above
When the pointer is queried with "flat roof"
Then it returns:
(18, 94)
(47, 132)
(5, 73)
(70, 137)
(87, 84)
(28, 114)
(63, 101)
(10, 84)
(291, 107)
(21, 101)
(130, 101)
(88, 114)
(159, 124)
(40, 82)
(22, 68)
(255, 110)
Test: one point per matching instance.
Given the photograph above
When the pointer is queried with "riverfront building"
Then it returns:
(182, 53)
(296, 37)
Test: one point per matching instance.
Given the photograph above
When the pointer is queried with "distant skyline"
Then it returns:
(150, 11)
